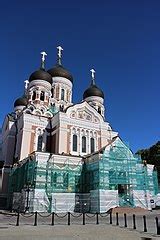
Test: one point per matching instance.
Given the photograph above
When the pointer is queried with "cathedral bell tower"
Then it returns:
(94, 95)
(39, 86)
(61, 92)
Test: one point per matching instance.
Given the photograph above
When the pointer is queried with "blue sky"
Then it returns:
(120, 39)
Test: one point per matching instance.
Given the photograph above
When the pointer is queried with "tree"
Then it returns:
(152, 156)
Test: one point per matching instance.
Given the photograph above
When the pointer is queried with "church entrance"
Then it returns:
(125, 195)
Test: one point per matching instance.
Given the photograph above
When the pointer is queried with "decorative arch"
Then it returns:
(37, 112)
(48, 114)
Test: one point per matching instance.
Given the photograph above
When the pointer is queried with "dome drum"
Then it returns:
(93, 90)
(40, 84)
(97, 99)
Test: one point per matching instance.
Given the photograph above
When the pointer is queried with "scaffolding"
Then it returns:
(116, 171)
(42, 181)
(111, 177)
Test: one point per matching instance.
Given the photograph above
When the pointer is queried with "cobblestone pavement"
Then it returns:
(73, 232)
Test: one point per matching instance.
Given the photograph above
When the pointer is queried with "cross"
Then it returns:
(93, 73)
(60, 49)
(26, 84)
(43, 56)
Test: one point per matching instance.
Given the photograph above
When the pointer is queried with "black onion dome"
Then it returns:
(42, 75)
(22, 101)
(59, 71)
(93, 90)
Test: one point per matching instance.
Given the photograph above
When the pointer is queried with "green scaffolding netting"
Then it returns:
(116, 168)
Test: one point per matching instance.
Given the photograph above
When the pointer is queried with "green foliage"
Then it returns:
(151, 155)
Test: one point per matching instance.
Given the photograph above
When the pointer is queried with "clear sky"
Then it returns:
(120, 39)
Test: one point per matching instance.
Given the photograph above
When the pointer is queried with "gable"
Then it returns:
(118, 149)
(84, 112)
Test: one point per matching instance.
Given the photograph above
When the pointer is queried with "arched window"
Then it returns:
(99, 110)
(52, 92)
(62, 94)
(92, 142)
(34, 95)
(39, 143)
(74, 146)
(83, 144)
(42, 96)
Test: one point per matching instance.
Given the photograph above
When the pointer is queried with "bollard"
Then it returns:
(110, 217)
(17, 223)
(144, 222)
(117, 221)
(97, 220)
(134, 221)
(35, 219)
(83, 218)
(125, 220)
(52, 223)
(69, 218)
(158, 226)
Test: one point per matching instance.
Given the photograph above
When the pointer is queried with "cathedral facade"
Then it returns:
(53, 150)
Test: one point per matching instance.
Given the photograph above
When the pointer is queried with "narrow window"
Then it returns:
(99, 110)
(74, 143)
(83, 144)
(62, 94)
(39, 143)
(92, 145)
(34, 95)
(42, 96)
(52, 92)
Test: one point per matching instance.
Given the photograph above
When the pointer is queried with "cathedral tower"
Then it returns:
(39, 89)
(94, 95)
(61, 92)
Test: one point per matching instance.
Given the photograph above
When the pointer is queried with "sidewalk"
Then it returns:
(73, 232)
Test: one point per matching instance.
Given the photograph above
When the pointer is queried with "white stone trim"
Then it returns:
(62, 80)
(94, 99)
(38, 83)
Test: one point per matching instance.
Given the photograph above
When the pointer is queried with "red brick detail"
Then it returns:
(99, 143)
(32, 139)
(57, 92)
(46, 103)
(68, 139)
(37, 101)
(32, 142)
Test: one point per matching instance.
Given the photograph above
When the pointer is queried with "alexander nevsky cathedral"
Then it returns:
(61, 156)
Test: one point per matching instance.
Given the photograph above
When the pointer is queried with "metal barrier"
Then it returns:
(83, 219)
